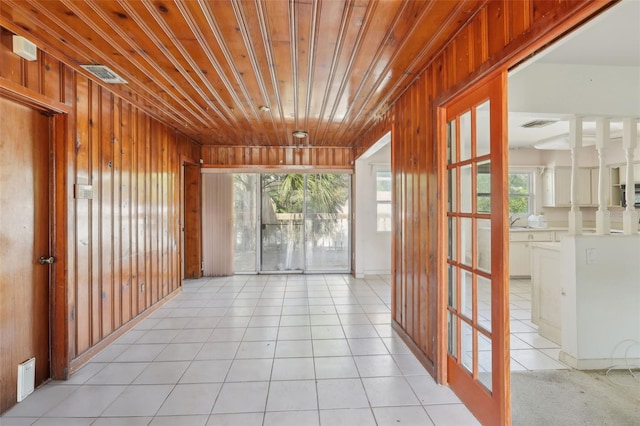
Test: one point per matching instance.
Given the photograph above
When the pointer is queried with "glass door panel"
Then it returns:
(245, 221)
(282, 224)
(327, 222)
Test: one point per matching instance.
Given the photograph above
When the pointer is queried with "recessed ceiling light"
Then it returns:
(300, 134)
(264, 108)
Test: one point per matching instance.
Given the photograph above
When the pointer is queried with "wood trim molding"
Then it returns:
(58, 283)
(420, 356)
(83, 358)
(30, 98)
(270, 169)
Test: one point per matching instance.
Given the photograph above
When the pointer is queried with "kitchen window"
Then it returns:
(383, 201)
(520, 193)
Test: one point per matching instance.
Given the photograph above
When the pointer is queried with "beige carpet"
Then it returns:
(575, 398)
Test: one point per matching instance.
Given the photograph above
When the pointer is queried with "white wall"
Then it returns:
(587, 90)
(372, 249)
(601, 301)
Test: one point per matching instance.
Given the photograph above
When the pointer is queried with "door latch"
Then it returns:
(46, 260)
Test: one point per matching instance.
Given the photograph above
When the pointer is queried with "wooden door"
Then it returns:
(24, 238)
(474, 247)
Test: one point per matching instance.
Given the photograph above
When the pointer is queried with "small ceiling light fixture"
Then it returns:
(264, 108)
(300, 134)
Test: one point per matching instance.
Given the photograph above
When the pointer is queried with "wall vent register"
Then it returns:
(26, 378)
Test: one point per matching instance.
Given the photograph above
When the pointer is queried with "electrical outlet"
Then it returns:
(592, 256)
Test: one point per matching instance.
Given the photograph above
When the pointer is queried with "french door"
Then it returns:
(475, 255)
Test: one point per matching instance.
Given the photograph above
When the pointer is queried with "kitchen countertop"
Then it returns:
(547, 245)
(585, 231)
(527, 229)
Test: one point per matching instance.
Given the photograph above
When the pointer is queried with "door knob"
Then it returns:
(46, 260)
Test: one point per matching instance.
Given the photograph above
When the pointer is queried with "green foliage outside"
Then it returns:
(519, 187)
(327, 195)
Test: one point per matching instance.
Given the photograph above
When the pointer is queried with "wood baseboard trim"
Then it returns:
(86, 356)
(421, 357)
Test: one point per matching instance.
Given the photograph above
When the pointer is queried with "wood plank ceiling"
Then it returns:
(330, 68)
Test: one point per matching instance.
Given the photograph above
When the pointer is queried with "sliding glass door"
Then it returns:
(327, 222)
(301, 221)
(282, 224)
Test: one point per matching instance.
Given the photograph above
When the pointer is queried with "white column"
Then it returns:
(575, 143)
(629, 143)
(603, 216)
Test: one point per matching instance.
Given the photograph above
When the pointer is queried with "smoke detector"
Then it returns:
(24, 48)
(104, 73)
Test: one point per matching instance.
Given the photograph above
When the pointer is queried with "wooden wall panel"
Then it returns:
(81, 224)
(122, 244)
(123, 203)
(107, 237)
(327, 157)
(95, 220)
(116, 212)
(498, 31)
(519, 17)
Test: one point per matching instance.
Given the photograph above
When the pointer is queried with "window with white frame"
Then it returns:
(520, 192)
(383, 201)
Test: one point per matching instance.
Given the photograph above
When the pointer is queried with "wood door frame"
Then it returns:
(58, 206)
(59, 306)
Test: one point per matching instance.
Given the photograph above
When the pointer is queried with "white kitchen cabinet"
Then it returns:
(623, 173)
(519, 261)
(594, 178)
(556, 187)
(546, 286)
(520, 250)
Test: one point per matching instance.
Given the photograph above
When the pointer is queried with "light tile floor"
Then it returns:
(258, 350)
(529, 350)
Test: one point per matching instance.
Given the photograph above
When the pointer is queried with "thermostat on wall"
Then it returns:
(24, 48)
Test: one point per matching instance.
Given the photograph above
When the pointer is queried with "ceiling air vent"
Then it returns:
(535, 124)
(104, 74)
